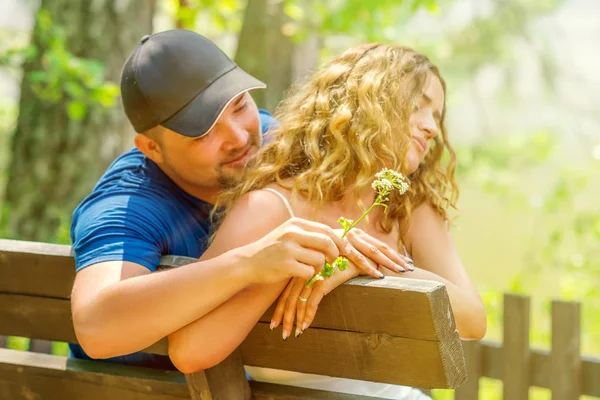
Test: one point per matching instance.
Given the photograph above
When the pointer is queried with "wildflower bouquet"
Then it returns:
(386, 181)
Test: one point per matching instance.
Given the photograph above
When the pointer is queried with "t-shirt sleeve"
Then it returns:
(266, 121)
(119, 227)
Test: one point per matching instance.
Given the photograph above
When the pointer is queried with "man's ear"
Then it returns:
(149, 147)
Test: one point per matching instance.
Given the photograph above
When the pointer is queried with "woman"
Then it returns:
(375, 106)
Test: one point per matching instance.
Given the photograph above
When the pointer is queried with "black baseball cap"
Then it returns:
(182, 81)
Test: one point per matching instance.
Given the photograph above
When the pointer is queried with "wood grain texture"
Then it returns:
(566, 359)
(28, 376)
(373, 357)
(516, 363)
(470, 389)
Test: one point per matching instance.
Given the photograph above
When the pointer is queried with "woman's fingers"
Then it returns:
(312, 304)
(363, 263)
(301, 309)
(379, 252)
(289, 313)
(278, 314)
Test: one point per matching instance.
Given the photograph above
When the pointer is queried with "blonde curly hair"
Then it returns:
(347, 123)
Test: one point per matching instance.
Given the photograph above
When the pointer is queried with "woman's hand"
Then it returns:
(301, 303)
(366, 246)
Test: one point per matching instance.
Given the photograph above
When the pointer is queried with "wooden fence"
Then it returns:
(562, 370)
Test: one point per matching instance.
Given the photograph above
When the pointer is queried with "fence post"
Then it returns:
(566, 380)
(470, 389)
(516, 354)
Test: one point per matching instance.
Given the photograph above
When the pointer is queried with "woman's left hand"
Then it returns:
(301, 303)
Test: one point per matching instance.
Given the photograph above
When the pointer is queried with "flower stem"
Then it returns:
(375, 203)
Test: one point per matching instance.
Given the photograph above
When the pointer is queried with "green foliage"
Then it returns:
(57, 76)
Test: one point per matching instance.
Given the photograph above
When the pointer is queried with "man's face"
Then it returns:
(203, 166)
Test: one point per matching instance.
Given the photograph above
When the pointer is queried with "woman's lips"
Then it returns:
(421, 143)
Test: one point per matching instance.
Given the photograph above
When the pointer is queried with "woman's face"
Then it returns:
(424, 122)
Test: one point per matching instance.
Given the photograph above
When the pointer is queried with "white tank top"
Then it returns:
(322, 382)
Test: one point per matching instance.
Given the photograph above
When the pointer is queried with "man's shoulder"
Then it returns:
(130, 184)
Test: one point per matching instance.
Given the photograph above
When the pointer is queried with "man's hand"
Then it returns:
(297, 248)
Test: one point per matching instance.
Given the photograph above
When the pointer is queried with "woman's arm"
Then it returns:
(432, 249)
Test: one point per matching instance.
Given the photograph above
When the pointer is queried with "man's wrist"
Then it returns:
(241, 266)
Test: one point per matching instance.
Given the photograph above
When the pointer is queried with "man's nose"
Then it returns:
(235, 137)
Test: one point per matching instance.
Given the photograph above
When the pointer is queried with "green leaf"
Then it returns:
(341, 263)
(76, 110)
(327, 270)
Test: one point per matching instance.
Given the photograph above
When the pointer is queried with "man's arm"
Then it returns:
(120, 307)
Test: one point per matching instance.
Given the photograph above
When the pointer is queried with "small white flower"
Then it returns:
(388, 180)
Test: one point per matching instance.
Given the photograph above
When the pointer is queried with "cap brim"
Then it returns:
(201, 114)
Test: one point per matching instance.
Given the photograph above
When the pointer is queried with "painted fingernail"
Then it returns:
(298, 331)
(284, 335)
(381, 276)
(401, 269)
(272, 325)
(410, 261)
(304, 326)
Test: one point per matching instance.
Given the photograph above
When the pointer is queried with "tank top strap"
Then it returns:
(283, 198)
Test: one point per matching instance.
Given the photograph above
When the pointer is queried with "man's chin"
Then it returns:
(232, 178)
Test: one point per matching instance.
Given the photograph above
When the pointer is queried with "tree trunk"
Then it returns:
(253, 49)
(265, 52)
(55, 160)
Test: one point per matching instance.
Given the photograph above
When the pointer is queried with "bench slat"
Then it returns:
(426, 361)
(47, 270)
(25, 375)
(382, 358)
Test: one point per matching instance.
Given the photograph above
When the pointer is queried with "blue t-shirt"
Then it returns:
(137, 213)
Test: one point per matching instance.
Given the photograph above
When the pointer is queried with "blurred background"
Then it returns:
(523, 114)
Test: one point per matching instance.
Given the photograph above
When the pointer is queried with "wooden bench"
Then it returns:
(395, 330)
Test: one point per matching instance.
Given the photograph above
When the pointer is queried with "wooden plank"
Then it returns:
(371, 357)
(566, 360)
(267, 391)
(227, 380)
(198, 386)
(2, 342)
(541, 368)
(29, 376)
(25, 375)
(429, 316)
(46, 270)
(36, 317)
(516, 361)
(30, 268)
(470, 389)
(50, 319)
(591, 376)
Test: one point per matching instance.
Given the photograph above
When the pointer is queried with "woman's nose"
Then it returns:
(429, 126)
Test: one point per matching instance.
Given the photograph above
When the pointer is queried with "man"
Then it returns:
(197, 126)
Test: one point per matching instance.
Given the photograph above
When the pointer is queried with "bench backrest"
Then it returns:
(394, 330)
